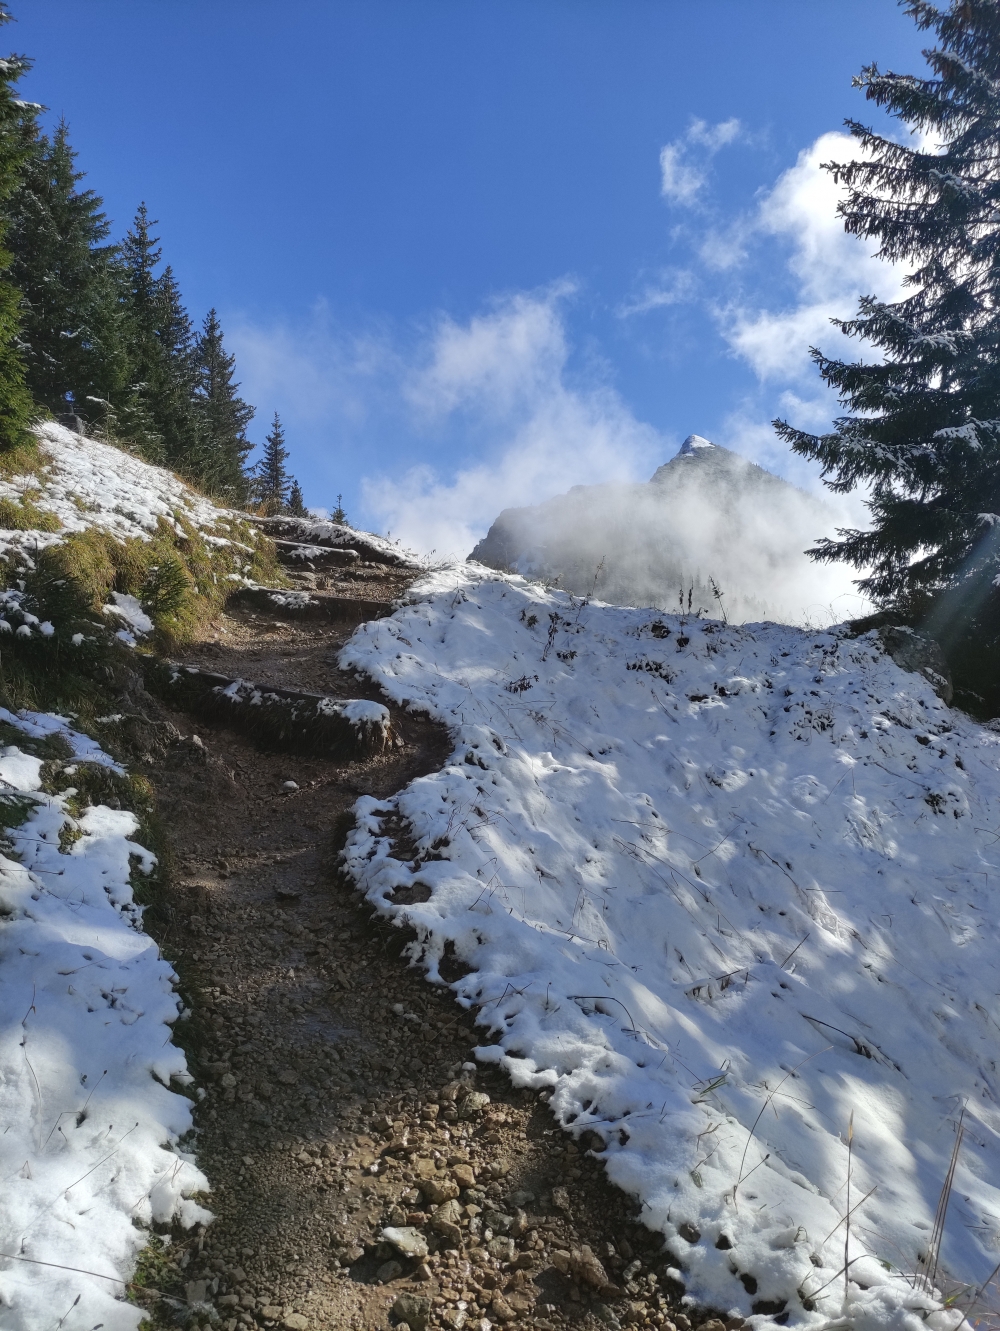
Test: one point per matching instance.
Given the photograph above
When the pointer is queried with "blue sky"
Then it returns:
(476, 252)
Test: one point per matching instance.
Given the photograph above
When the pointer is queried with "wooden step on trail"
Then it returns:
(334, 536)
(303, 555)
(280, 718)
(283, 603)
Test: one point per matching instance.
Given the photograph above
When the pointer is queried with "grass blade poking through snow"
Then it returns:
(937, 1233)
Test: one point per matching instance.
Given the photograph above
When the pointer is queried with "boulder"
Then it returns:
(922, 655)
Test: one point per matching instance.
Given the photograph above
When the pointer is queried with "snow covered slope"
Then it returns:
(84, 483)
(88, 1127)
(722, 889)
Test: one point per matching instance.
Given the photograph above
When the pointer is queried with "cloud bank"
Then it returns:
(829, 268)
(462, 418)
(533, 429)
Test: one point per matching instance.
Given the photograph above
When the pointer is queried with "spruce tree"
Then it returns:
(173, 390)
(296, 501)
(272, 479)
(16, 116)
(163, 370)
(71, 335)
(339, 514)
(133, 414)
(223, 417)
(923, 423)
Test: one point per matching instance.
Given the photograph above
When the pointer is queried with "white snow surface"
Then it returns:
(721, 889)
(88, 1129)
(336, 534)
(86, 483)
(130, 609)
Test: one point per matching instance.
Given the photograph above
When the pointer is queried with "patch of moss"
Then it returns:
(22, 458)
(180, 578)
(15, 810)
(156, 1273)
(23, 515)
(51, 748)
(96, 784)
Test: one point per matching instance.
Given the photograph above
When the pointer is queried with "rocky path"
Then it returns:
(340, 1097)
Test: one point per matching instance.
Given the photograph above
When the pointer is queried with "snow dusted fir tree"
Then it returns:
(223, 417)
(923, 429)
(71, 339)
(272, 479)
(15, 400)
(296, 501)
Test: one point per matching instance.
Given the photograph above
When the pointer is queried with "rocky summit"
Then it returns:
(707, 514)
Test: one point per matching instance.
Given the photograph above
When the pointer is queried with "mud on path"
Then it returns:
(340, 1096)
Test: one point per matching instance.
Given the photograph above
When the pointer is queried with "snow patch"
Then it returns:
(89, 1143)
(719, 888)
(85, 483)
(129, 609)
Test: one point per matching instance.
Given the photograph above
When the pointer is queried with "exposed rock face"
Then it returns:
(707, 513)
(913, 651)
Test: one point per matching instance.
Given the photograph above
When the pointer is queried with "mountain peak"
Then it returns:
(692, 445)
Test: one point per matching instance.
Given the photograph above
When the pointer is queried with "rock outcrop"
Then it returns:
(706, 514)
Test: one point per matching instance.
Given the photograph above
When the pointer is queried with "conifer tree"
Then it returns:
(71, 335)
(338, 514)
(163, 370)
(15, 115)
(133, 413)
(272, 479)
(173, 386)
(923, 423)
(296, 501)
(223, 417)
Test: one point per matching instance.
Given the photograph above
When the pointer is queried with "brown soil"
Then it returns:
(335, 1080)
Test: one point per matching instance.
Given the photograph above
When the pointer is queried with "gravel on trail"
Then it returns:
(365, 1172)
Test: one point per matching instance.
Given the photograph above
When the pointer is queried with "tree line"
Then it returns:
(98, 330)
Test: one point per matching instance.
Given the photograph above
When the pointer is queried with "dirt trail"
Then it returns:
(340, 1093)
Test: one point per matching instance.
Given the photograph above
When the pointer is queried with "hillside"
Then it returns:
(725, 892)
(98, 550)
(709, 898)
(707, 513)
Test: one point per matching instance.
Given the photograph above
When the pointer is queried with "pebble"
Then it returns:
(501, 1309)
(502, 1249)
(439, 1190)
(412, 1309)
(388, 1272)
(289, 785)
(406, 1239)
(474, 1103)
(296, 1322)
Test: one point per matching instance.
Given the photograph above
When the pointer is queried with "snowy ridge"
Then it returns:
(721, 888)
(89, 1135)
(337, 536)
(85, 483)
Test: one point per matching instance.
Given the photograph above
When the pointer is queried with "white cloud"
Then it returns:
(684, 162)
(504, 359)
(671, 287)
(532, 432)
(830, 268)
(714, 137)
(313, 369)
(680, 181)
